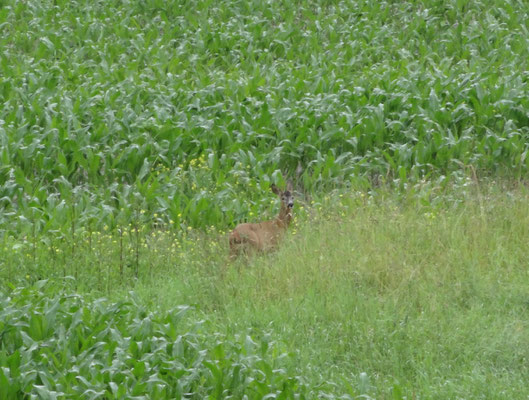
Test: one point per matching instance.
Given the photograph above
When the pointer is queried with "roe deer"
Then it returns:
(263, 236)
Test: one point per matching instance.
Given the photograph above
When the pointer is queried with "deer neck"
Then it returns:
(284, 217)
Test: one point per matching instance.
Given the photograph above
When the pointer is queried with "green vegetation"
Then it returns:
(63, 347)
(135, 133)
(190, 109)
(377, 295)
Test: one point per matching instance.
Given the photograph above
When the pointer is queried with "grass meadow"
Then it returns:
(135, 134)
(381, 296)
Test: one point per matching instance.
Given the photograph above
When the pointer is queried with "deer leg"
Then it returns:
(242, 241)
(235, 243)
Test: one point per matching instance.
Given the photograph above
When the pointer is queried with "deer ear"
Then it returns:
(275, 189)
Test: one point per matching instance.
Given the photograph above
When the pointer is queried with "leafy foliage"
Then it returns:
(181, 109)
(59, 346)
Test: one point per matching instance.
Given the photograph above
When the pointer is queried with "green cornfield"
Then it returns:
(134, 134)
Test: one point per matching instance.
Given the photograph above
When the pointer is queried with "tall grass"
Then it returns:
(372, 294)
(386, 297)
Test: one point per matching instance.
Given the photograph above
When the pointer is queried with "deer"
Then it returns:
(264, 236)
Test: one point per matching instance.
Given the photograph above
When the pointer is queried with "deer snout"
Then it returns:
(290, 204)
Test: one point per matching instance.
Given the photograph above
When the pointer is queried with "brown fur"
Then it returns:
(263, 236)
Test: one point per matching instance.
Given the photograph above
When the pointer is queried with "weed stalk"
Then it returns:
(121, 253)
